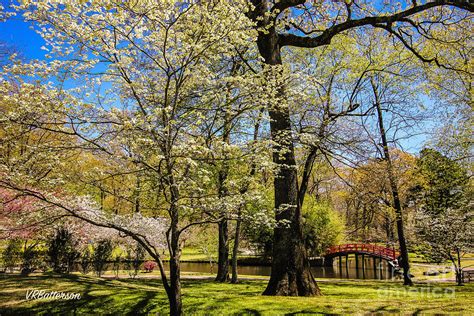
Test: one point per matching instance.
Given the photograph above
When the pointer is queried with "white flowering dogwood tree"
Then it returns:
(449, 236)
(134, 86)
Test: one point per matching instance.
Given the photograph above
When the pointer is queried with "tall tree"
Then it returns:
(397, 205)
(298, 23)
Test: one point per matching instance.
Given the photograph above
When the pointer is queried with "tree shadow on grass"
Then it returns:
(308, 312)
(222, 298)
(385, 309)
(98, 296)
(251, 312)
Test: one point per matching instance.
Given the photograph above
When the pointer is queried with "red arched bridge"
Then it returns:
(381, 252)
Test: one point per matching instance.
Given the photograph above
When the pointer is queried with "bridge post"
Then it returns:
(357, 265)
(340, 265)
(374, 259)
(363, 266)
(379, 268)
(347, 265)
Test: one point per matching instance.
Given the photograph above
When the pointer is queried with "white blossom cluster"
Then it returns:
(107, 225)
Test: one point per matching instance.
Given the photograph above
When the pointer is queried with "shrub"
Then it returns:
(149, 266)
(102, 252)
(62, 251)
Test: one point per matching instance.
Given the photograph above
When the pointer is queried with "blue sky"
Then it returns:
(19, 34)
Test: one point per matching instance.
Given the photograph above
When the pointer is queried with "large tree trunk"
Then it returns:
(395, 195)
(291, 273)
(223, 257)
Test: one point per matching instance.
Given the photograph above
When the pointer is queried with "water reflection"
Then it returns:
(346, 268)
(361, 268)
(368, 268)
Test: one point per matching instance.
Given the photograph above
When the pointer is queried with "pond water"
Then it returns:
(382, 269)
(339, 270)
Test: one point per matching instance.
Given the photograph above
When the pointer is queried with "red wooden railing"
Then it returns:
(364, 248)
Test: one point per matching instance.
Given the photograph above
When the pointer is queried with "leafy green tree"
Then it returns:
(62, 250)
(86, 260)
(445, 217)
(322, 226)
(11, 254)
(117, 262)
(31, 257)
(443, 183)
(102, 252)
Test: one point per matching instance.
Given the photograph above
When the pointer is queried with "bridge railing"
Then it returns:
(364, 248)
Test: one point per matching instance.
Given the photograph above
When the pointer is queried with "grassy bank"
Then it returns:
(142, 296)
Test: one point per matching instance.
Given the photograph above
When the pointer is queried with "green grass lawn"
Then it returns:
(203, 297)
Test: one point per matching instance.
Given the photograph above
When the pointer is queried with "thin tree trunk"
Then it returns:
(174, 293)
(236, 249)
(458, 268)
(291, 273)
(175, 287)
(243, 190)
(136, 193)
(223, 257)
(394, 188)
(223, 250)
(172, 287)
